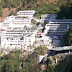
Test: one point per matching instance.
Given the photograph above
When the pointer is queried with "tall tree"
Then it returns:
(68, 37)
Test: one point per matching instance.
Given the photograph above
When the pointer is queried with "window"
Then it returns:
(10, 44)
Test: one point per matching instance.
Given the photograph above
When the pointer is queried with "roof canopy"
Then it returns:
(62, 48)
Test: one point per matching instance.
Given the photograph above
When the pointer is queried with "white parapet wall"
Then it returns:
(40, 58)
(26, 13)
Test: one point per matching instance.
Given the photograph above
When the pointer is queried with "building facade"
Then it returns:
(57, 27)
(47, 18)
(26, 13)
(18, 38)
(14, 21)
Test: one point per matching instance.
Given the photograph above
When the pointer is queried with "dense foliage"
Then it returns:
(13, 62)
(9, 3)
(41, 50)
(65, 65)
(33, 21)
(68, 37)
(10, 63)
(61, 7)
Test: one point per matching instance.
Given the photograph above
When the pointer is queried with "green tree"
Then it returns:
(38, 23)
(70, 1)
(41, 50)
(11, 62)
(68, 37)
(45, 22)
(8, 3)
(8, 66)
(33, 21)
(31, 64)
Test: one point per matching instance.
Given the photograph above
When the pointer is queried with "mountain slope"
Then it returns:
(60, 7)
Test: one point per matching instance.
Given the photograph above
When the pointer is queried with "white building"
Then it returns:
(18, 38)
(17, 31)
(57, 27)
(43, 41)
(55, 41)
(26, 13)
(47, 17)
(56, 30)
(46, 41)
(14, 21)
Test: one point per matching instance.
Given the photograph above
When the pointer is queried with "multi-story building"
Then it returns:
(26, 13)
(17, 31)
(18, 38)
(14, 21)
(57, 27)
(47, 17)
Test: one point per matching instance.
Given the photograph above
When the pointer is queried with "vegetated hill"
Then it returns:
(17, 61)
(6, 12)
(59, 63)
(65, 65)
(68, 37)
(62, 7)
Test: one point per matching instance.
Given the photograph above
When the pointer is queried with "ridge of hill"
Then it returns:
(61, 7)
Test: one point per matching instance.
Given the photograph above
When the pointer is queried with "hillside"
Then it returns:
(59, 63)
(17, 61)
(6, 12)
(61, 7)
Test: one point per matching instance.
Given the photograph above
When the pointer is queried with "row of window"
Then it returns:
(14, 44)
(45, 45)
(56, 33)
(16, 41)
(57, 30)
(63, 21)
(16, 31)
(22, 21)
(25, 14)
(21, 31)
(13, 33)
(5, 23)
(56, 25)
(60, 23)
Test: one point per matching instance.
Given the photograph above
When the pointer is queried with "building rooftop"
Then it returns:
(62, 48)
(31, 28)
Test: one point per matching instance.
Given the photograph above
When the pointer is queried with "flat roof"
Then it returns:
(27, 10)
(31, 28)
(62, 48)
